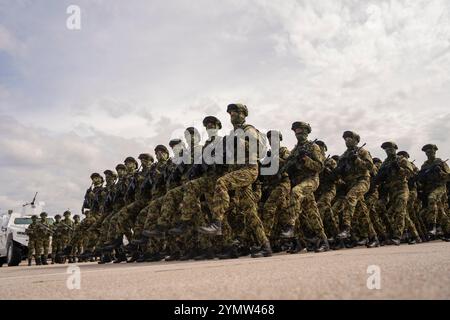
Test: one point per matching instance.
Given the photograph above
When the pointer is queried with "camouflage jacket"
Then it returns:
(352, 170)
(396, 171)
(307, 160)
(433, 173)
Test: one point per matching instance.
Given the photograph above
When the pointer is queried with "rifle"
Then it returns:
(431, 173)
(292, 161)
(44, 227)
(66, 225)
(344, 165)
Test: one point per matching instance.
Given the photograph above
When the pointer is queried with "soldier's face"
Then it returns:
(97, 181)
(161, 156)
(58, 219)
(121, 173)
(145, 163)
(131, 166)
(211, 129)
(110, 179)
(301, 134)
(350, 142)
(237, 117)
(431, 153)
(390, 152)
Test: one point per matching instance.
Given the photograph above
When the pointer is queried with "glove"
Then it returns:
(353, 157)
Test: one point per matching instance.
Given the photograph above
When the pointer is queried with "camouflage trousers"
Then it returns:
(123, 221)
(303, 210)
(192, 210)
(354, 201)
(329, 218)
(35, 247)
(414, 209)
(275, 210)
(435, 212)
(373, 205)
(59, 244)
(397, 209)
(77, 244)
(45, 245)
(240, 181)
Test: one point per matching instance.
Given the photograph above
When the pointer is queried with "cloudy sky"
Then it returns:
(73, 102)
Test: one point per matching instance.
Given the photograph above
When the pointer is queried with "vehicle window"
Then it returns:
(22, 221)
(50, 221)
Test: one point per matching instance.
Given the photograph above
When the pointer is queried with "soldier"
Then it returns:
(412, 222)
(65, 229)
(34, 242)
(177, 175)
(393, 177)
(93, 200)
(278, 187)
(303, 166)
(432, 177)
(325, 195)
(45, 233)
(114, 202)
(374, 204)
(76, 239)
(55, 238)
(140, 186)
(240, 180)
(354, 167)
(203, 177)
(147, 217)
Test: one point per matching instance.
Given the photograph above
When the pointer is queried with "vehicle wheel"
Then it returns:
(2, 261)
(13, 254)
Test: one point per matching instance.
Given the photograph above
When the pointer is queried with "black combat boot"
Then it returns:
(155, 257)
(143, 257)
(105, 258)
(230, 252)
(296, 247)
(44, 260)
(322, 245)
(265, 251)
(120, 256)
(206, 254)
(288, 232)
(362, 242)
(432, 230)
(396, 241)
(173, 256)
(38, 260)
(373, 243)
(345, 234)
(189, 254)
(181, 228)
(134, 256)
(29, 262)
(213, 229)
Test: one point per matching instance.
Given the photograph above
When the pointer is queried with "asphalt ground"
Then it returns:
(419, 271)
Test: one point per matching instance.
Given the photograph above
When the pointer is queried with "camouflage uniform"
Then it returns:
(240, 180)
(354, 167)
(433, 177)
(44, 234)
(275, 209)
(304, 165)
(34, 242)
(394, 174)
(325, 195)
(127, 216)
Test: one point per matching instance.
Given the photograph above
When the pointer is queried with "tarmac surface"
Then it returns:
(405, 272)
